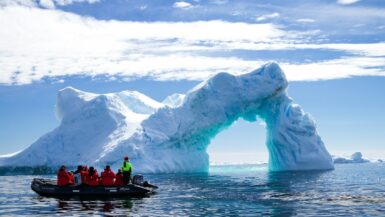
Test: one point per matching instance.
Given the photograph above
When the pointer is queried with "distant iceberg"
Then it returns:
(354, 158)
(99, 129)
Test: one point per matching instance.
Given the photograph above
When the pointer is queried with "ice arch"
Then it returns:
(174, 139)
(98, 129)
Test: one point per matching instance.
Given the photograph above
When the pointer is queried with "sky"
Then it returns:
(332, 51)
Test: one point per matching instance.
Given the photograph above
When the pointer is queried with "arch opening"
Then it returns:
(241, 143)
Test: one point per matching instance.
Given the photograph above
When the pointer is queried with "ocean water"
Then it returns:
(349, 190)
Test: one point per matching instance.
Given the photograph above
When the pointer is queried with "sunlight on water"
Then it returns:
(238, 168)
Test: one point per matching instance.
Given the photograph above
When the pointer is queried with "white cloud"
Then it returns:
(68, 2)
(40, 43)
(183, 5)
(267, 16)
(47, 4)
(37, 43)
(29, 3)
(334, 69)
(219, 2)
(50, 4)
(305, 20)
(363, 49)
(347, 2)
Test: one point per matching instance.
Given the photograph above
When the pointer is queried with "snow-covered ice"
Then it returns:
(99, 129)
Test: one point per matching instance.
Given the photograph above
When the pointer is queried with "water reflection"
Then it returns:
(349, 190)
(94, 206)
(273, 193)
(284, 189)
(62, 205)
(287, 181)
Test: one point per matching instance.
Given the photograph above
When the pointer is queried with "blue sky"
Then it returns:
(333, 53)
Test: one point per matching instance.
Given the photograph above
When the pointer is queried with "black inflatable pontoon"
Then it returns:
(48, 187)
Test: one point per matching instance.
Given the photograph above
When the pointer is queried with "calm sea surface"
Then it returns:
(349, 190)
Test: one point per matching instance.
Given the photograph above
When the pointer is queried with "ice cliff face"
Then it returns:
(173, 136)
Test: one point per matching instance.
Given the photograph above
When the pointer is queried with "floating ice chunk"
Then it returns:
(354, 158)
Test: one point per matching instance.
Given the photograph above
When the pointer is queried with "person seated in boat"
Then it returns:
(78, 176)
(79, 169)
(92, 177)
(119, 178)
(72, 178)
(127, 169)
(63, 177)
(84, 174)
(108, 176)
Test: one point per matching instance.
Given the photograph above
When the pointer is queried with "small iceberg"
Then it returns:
(354, 158)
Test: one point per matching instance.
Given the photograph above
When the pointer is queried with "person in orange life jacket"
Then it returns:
(127, 169)
(84, 173)
(119, 178)
(63, 177)
(72, 178)
(93, 177)
(108, 176)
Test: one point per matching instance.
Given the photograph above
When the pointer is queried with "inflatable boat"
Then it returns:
(49, 188)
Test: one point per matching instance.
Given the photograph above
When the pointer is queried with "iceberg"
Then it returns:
(174, 100)
(356, 157)
(99, 129)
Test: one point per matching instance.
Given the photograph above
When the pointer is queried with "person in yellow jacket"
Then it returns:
(126, 169)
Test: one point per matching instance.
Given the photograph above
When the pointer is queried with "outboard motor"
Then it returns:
(138, 180)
